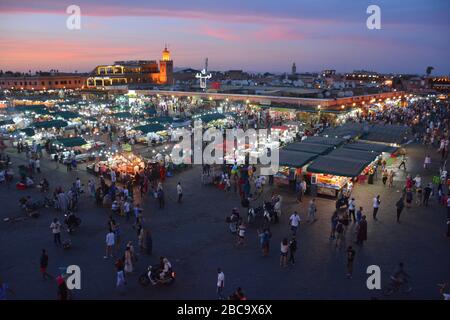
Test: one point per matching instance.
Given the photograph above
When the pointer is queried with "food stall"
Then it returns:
(291, 163)
(329, 175)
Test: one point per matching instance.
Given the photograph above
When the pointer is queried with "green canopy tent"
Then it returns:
(354, 154)
(37, 109)
(309, 147)
(69, 142)
(6, 122)
(151, 127)
(375, 147)
(210, 117)
(295, 159)
(122, 115)
(118, 108)
(337, 166)
(161, 120)
(67, 115)
(150, 111)
(324, 140)
(50, 124)
(28, 131)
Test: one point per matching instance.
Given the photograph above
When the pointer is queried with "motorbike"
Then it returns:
(152, 276)
(270, 213)
(72, 222)
(254, 213)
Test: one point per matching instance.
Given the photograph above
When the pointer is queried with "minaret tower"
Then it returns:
(166, 67)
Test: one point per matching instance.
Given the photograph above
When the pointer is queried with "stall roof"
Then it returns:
(370, 147)
(324, 140)
(66, 114)
(295, 159)
(354, 154)
(28, 131)
(38, 109)
(124, 115)
(388, 133)
(6, 122)
(151, 127)
(338, 166)
(161, 120)
(118, 108)
(70, 142)
(50, 124)
(210, 117)
(309, 147)
(151, 111)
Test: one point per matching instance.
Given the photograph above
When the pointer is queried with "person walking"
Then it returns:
(179, 192)
(160, 196)
(284, 249)
(351, 209)
(403, 163)
(376, 206)
(391, 179)
(359, 214)
(264, 238)
(220, 283)
(292, 250)
(37, 164)
(55, 226)
(409, 197)
(427, 162)
(385, 176)
(427, 194)
(294, 221)
(120, 275)
(340, 231)
(361, 231)
(312, 209)
(127, 209)
(110, 242)
(128, 268)
(334, 222)
(137, 213)
(400, 205)
(56, 158)
(350, 258)
(43, 264)
(241, 234)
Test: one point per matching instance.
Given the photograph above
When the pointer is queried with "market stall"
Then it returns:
(290, 164)
(329, 175)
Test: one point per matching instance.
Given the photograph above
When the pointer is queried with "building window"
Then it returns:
(42, 83)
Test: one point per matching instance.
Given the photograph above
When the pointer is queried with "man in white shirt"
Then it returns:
(56, 230)
(110, 241)
(220, 283)
(376, 206)
(351, 209)
(294, 221)
(179, 192)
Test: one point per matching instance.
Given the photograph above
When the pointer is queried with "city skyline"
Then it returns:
(268, 37)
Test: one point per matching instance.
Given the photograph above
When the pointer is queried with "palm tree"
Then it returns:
(429, 70)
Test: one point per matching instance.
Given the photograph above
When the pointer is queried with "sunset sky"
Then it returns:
(234, 34)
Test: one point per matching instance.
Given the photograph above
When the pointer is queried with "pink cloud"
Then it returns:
(116, 10)
(278, 33)
(219, 33)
